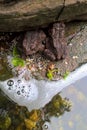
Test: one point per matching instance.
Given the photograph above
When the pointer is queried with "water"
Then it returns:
(36, 94)
(58, 114)
(76, 119)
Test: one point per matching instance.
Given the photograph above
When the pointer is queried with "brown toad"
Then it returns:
(32, 42)
(55, 44)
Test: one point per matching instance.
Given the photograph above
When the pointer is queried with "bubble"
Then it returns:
(19, 81)
(22, 90)
(10, 83)
(9, 88)
(45, 126)
(16, 86)
(18, 92)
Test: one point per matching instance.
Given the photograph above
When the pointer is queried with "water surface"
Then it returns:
(76, 119)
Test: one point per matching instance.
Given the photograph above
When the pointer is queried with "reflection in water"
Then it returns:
(52, 116)
(15, 117)
(77, 118)
(57, 106)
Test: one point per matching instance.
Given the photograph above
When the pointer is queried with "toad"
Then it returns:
(56, 47)
(52, 44)
(32, 42)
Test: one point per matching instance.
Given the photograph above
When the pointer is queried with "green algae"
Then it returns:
(58, 106)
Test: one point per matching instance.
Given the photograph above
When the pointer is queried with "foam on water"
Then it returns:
(34, 94)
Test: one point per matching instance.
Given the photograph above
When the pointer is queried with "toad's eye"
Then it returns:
(10, 83)
(44, 42)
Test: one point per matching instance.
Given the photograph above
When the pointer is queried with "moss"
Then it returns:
(50, 73)
(16, 60)
(65, 75)
(5, 122)
(58, 106)
(15, 117)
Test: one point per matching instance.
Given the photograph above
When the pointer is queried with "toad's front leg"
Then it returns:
(49, 55)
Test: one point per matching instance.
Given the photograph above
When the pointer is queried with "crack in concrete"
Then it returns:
(59, 14)
(69, 39)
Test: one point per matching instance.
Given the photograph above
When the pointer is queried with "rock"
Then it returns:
(25, 14)
(7, 1)
(74, 10)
